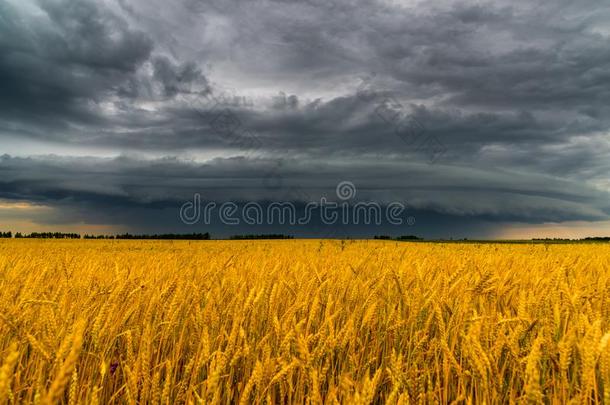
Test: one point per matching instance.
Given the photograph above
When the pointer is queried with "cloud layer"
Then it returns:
(479, 113)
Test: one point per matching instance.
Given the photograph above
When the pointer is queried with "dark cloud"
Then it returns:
(59, 64)
(176, 79)
(102, 184)
(221, 96)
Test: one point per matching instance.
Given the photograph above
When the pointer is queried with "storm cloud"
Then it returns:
(475, 115)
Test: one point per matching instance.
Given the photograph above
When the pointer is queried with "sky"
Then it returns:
(483, 119)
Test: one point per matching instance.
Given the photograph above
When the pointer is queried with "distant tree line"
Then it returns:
(206, 236)
(63, 235)
(552, 239)
(175, 236)
(589, 239)
(48, 235)
(263, 236)
(403, 237)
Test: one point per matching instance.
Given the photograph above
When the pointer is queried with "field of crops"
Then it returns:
(303, 322)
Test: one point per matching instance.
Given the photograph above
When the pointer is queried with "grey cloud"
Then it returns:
(169, 181)
(86, 34)
(177, 79)
(58, 65)
(515, 91)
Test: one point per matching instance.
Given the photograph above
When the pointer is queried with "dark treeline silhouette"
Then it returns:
(62, 235)
(176, 236)
(403, 237)
(599, 239)
(206, 236)
(589, 239)
(408, 237)
(264, 236)
(554, 239)
(48, 235)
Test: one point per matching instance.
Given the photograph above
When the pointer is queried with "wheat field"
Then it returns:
(303, 322)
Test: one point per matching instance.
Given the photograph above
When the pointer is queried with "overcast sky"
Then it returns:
(484, 118)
